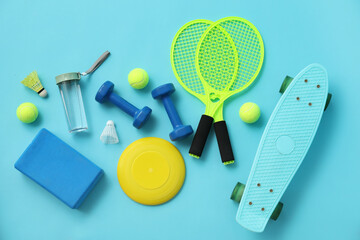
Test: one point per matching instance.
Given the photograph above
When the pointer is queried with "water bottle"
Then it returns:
(70, 92)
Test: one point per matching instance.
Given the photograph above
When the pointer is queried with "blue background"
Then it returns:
(54, 37)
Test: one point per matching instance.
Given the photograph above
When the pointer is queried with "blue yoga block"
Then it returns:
(59, 168)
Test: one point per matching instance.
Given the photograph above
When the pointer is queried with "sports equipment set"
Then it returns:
(212, 61)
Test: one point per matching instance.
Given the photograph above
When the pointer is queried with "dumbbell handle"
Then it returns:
(123, 104)
(171, 111)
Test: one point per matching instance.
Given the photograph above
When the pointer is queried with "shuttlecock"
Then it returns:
(32, 81)
(109, 135)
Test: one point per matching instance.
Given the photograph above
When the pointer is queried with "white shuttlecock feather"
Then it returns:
(109, 135)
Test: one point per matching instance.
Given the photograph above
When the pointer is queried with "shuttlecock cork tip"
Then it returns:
(110, 123)
(43, 93)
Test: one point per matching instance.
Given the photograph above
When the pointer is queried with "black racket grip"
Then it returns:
(223, 139)
(201, 136)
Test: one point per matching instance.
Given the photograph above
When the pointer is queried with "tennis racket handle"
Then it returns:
(223, 139)
(201, 136)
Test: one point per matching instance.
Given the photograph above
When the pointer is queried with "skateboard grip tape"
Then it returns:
(223, 139)
(201, 136)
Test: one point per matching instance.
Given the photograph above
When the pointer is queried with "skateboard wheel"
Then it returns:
(274, 216)
(285, 84)
(237, 192)
(328, 99)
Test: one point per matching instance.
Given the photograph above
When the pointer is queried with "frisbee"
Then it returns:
(151, 171)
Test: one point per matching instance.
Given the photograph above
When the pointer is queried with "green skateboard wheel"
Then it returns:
(285, 84)
(328, 99)
(237, 192)
(274, 216)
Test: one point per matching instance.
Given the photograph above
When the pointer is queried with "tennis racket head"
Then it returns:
(182, 55)
(216, 61)
(250, 48)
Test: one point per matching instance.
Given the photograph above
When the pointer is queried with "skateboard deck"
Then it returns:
(283, 146)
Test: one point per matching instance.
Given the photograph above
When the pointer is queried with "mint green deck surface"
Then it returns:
(283, 146)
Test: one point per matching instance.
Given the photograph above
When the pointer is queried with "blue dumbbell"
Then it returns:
(163, 92)
(105, 93)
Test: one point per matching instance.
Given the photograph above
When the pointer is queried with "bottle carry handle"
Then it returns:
(97, 64)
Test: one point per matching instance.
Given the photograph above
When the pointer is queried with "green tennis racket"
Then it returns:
(216, 62)
(215, 78)
(183, 51)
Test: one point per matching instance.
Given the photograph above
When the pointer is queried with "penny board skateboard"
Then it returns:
(283, 146)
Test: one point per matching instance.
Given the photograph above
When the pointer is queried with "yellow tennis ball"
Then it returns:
(27, 112)
(138, 78)
(249, 112)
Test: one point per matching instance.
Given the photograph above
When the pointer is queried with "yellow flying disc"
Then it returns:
(151, 171)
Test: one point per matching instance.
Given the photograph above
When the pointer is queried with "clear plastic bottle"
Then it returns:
(70, 92)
